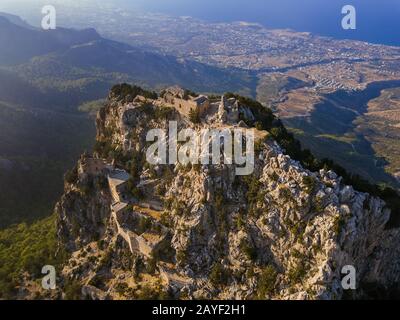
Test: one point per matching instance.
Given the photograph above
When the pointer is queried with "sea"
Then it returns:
(377, 21)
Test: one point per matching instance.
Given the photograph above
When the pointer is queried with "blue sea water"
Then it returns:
(378, 21)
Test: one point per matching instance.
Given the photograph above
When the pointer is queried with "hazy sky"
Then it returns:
(377, 20)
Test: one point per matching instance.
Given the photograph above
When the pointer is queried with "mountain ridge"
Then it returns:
(283, 233)
(24, 43)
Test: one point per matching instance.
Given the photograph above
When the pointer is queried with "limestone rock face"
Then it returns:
(84, 208)
(308, 235)
(282, 233)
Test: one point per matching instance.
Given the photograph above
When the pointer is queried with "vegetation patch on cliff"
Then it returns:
(26, 249)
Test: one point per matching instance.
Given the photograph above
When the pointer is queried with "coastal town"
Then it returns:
(330, 63)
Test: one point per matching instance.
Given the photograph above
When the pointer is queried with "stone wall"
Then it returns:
(184, 106)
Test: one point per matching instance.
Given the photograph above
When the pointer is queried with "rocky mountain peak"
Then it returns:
(196, 230)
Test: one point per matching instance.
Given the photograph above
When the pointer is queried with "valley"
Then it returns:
(36, 148)
(381, 127)
(341, 122)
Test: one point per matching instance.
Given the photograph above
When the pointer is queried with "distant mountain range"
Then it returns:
(24, 42)
(16, 20)
(86, 49)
